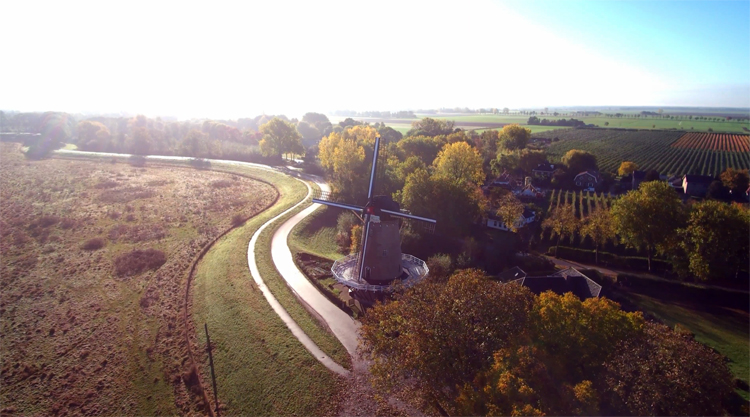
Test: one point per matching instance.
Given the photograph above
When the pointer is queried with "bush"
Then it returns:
(237, 220)
(441, 267)
(94, 244)
(200, 163)
(221, 184)
(137, 261)
(137, 160)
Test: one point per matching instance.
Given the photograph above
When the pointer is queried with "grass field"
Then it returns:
(261, 368)
(316, 234)
(95, 258)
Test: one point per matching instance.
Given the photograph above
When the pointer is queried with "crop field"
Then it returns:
(94, 267)
(679, 122)
(714, 141)
(648, 149)
(583, 202)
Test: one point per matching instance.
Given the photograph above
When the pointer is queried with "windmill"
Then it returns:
(379, 260)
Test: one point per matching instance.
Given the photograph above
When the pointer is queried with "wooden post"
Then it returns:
(211, 363)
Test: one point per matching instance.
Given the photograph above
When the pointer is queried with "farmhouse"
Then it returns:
(561, 282)
(696, 185)
(588, 179)
(543, 171)
(506, 180)
(675, 181)
(495, 222)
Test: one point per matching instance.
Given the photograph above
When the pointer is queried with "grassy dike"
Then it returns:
(261, 368)
(316, 234)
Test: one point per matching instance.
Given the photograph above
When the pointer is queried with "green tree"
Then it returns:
(431, 127)
(562, 222)
(716, 239)
(578, 161)
(424, 147)
(649, 217)
(280, 137)
(460, 163)
(599, 226)
(514, 137)
(194, 144)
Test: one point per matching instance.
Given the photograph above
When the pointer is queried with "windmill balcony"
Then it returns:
(345, 272)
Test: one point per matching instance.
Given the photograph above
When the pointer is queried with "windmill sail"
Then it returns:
(379, 260)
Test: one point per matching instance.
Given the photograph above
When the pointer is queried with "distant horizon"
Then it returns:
(416, 111)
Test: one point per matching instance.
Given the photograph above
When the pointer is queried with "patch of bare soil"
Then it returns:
(94, 259)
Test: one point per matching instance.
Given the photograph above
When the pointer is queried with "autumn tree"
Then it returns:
(55, 129)
(194, 144)
(140, 141)
(578, 161)
(626, 168)
(280, 137)
(665, 373)
(510, 210)
(93, 136)
(552, 367)
(562, 222)
(736, 180)
(599, 226)
(649, 217)
(470, 318)
(344, 160)
(460, 163)
(715, 239)
(514, 137)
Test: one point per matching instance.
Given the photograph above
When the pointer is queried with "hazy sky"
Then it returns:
(239, 59)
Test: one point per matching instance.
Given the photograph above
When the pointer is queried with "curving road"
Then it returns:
(343, 327)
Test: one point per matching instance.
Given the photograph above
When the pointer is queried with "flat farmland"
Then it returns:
(648, 149)
(94, 267)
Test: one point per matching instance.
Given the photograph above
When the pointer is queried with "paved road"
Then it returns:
(343, 326)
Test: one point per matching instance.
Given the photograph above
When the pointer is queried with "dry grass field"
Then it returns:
(94, 260)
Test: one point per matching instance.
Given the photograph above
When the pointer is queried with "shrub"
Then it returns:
(441, 267)
(137, 160)
(221, 184)
(106, 184)
(138, 261)
(237, 220)
(94, 244)
(200, 163)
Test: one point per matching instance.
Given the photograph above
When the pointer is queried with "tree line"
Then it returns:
(706, 240)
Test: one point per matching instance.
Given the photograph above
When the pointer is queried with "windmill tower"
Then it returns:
(379, 260)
